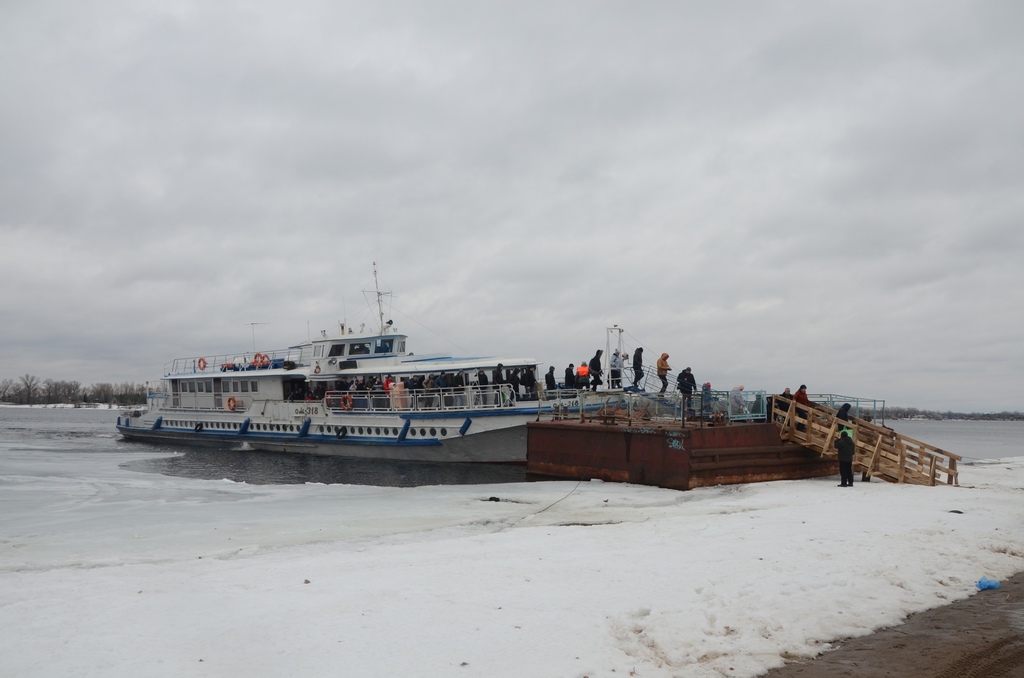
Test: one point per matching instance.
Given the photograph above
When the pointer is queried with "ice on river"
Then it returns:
(111, 572)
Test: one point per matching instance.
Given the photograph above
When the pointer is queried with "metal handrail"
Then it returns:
(232, 362)
(423, 400)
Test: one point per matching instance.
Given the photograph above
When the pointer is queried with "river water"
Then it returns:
(27, 432)
(37, 433)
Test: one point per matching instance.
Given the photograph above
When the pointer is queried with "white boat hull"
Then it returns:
(471, 437)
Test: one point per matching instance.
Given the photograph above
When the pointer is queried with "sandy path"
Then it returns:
(981, 637)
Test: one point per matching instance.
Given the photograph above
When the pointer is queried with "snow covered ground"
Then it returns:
(109, 572)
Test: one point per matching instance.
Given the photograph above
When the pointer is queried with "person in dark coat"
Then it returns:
(570, 376)
(638, 367)
(513, 381)
(595, 370)
(529, 383)
(844, 445)
(482, 383)
(844, 415)
(687, 384)
(549, 379)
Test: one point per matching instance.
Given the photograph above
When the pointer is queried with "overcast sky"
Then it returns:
(774, 193)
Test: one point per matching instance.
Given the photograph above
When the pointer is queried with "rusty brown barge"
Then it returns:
(668, 442)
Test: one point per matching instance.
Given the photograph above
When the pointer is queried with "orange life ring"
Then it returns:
(345, 401)
(264, 360)
(232, 403)
(202, 364)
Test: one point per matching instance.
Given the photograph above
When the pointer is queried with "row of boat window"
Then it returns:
(215, 386)
(378, 346)
(295, 428)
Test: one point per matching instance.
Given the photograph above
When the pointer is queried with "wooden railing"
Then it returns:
(880, 451)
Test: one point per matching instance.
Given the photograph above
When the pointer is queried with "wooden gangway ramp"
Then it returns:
(880, 451)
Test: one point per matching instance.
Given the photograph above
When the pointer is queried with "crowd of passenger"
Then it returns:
(520, 382)
(516, 384)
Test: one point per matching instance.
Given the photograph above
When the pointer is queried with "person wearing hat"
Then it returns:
(846, 448)
(686, 385)
(615, 380)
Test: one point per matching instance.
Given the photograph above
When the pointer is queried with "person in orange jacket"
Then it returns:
(583, 376)
(663, 368)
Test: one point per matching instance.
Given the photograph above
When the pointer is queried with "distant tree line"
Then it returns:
(31, 390)
(915, 413)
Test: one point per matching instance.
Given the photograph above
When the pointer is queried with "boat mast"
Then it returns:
(380, 301)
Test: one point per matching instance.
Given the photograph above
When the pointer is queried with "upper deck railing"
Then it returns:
(438, 399)
(705, 406)
(236, 362)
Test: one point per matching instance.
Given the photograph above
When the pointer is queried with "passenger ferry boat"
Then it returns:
(312, 398)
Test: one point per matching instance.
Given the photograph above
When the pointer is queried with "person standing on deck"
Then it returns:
(615, 381)
(513, 380)
(570, 376)
(529, 383)
(497, 379)
(549, 379)
(686, 384)
(595, 370)
(583, 376)
(846, 448)
(638, 367)
(482, 383)
(663, 368)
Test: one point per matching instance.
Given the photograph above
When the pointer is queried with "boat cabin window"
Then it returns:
(191, 387)
(245, 387)
(336, 350)
(254, 386)
(384, 346)
(318, 351)
(401, 346)
(360, 348)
